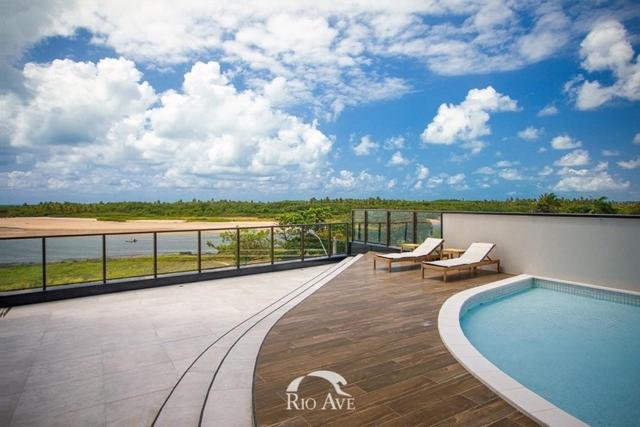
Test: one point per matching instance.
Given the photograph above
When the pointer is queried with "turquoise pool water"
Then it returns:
(579, 353)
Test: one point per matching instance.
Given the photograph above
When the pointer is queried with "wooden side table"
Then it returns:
(408, 247)
(449, 253)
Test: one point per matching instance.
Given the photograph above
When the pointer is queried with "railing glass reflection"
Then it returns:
(217, 249)
(73, 260)
(45, 261)
(177, 252)
(20, 264)
(129, 255)
(394, 227)
(287, 243)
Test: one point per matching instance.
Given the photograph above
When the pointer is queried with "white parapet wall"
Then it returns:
(598, 250)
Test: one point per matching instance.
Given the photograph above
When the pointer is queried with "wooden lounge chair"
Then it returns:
(429, 249)
(477, 255)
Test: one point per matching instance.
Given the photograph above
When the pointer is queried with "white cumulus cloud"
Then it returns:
(73, 102)
(456, 179)
(468, 121)
(549, 110)
(610, 153)
(574, 158)
(362, 181)
(546, 171)
(365, 147)
(630, 164)
(565, 142)
(510, 174)
(607, 47)
(589, 180)
(506, 163)
(206, 135)
(530, 133)
(485, 170)
(422, 172)
(397, 159)
(394, 143)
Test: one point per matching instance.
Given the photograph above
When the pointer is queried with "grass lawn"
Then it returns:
(27, 276)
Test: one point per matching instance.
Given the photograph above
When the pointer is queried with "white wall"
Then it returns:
(599, 251)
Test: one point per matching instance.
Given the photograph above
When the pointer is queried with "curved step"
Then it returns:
(216, 388)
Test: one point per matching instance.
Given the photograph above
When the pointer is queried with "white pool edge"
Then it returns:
(536, 407)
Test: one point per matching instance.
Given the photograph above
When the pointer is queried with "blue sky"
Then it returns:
(283, 100)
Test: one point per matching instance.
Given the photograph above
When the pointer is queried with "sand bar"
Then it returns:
(48, 226)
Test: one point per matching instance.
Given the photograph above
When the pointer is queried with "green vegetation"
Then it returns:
(255, 244)
(330, 209)
(23, 276)
(548, 202)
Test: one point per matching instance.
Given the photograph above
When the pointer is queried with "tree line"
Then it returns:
(307, 210)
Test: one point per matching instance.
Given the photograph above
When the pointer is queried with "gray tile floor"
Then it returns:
(112, 359)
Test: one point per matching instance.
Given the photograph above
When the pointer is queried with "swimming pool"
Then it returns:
(576, 347)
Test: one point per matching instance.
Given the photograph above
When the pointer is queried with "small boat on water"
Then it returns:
(134, 240)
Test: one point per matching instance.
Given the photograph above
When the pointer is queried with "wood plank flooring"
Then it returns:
(379, 331)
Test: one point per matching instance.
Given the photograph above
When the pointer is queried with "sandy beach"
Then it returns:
(48, 226)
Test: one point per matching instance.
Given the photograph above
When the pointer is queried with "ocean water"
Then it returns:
(579, 353)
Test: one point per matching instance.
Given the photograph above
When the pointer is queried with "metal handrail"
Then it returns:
(190, 230)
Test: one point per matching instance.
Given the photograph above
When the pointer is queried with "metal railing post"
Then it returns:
(199, 251)
(353, 224)
(415, 226)
(238, 247)
(330, 251)
(302, 243)
(441, 225)
(272, 245)
(366, 226)
(104, 259)
(388, 228)
(155, 255)
(44, 264)
(347, 247)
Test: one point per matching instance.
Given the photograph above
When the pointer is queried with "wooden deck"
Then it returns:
(379, 331)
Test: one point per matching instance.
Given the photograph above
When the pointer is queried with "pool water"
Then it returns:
(579, 353)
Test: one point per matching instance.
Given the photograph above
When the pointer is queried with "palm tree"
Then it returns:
(602, 205)
(548, 202)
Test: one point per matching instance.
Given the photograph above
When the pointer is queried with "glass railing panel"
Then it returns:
(129, 255)
(177, 252)
(255, 246)
(20, 264)
(218, 249)
(358, 225)
(286, 244)
(401, 227)
(316, 241)
(428, 225)
(74, 260)
(339, 239)
(377, 227)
